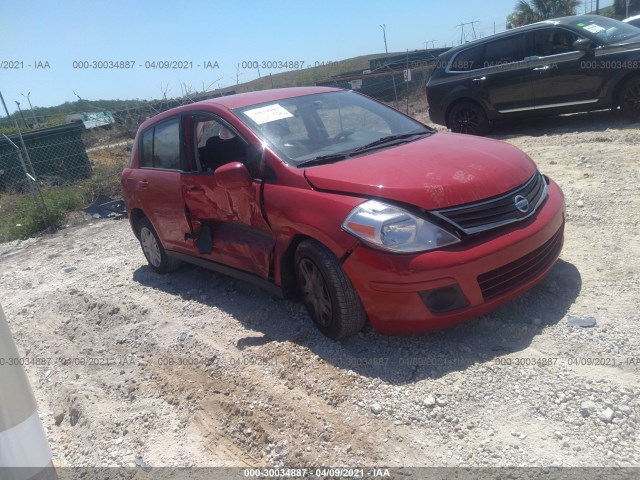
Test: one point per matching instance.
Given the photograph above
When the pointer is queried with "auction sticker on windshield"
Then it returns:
(267, 114)
(594, 28)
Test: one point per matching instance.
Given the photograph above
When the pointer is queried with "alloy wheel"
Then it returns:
(315, 292)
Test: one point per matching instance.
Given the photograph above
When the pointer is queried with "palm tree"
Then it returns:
(535, 10)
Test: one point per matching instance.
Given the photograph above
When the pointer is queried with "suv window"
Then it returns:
(470, 59)
(553, 41)
(506, 50)
(161, 146)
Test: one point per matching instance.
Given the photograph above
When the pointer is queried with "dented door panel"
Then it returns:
(240, 236)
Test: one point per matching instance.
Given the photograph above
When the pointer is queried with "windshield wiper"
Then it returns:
(335, 157)
(389, 139)
(323, 159)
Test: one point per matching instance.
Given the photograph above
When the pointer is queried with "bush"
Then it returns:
(22, 217)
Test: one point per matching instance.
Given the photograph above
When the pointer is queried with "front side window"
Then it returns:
(216, 144)
(336, 124)
(553, 41)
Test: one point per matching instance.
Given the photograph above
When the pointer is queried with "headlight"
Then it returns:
(394, 229)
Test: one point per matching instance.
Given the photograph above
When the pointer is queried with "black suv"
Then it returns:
(565, 65)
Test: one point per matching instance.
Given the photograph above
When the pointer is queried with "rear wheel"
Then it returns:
(630, 99)
(468, 117)
(153, 250)
(327, 293)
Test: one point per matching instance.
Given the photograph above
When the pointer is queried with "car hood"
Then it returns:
(442, 170)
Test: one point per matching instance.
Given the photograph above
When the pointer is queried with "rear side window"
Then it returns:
(502, 52)
(470, 59)
(161, 146)
(146, 159)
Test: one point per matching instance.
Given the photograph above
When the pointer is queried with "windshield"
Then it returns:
(328, 126)
(608, 30)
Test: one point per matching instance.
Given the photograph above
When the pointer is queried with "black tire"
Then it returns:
(327, 293)
(468, 117)
(630, 99)
(153, 250)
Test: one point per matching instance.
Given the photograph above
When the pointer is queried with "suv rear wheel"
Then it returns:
(153, 250)
(468, 117)
(327, 293)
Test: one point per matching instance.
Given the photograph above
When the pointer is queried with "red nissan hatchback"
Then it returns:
(363, 211)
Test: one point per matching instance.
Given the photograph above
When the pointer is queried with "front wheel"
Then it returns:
(327, 293)
(630, 99)
(153, 250)
(469, 118)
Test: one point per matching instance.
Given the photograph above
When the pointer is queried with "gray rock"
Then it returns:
(587, 408)
(430, 401)
(58, 418)
(606, 416)
(584, 322)
(376, 409)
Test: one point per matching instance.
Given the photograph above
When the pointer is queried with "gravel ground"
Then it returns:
(198, 369)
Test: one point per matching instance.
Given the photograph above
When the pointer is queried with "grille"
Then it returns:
(511, 276)
(498, 211)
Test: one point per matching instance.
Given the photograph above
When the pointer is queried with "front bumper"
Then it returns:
(488, 272)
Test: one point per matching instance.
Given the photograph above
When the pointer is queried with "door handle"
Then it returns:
(194, 188)
(480, 79)
(143, 183)
(539, 69)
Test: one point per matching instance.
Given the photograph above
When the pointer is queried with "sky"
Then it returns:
(50, 42)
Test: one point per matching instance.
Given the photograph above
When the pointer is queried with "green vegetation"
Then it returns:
(531, 11)
(21, 217)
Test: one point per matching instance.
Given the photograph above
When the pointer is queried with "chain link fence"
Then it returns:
(46, 173)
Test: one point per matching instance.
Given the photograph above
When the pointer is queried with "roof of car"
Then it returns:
(635, 17)
(240, 100)
(568, 21)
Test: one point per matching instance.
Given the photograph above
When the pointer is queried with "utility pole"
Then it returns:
(21, 115)
(461, 25)
(432, 42)
(35, 122)
(386, 50)
(597, 7)
(473, 28)
(384, 34)
(462, 32)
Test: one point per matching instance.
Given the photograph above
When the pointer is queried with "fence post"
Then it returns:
(33, 185)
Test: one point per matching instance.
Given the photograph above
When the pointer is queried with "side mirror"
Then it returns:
(233, 175)
(582, 45)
